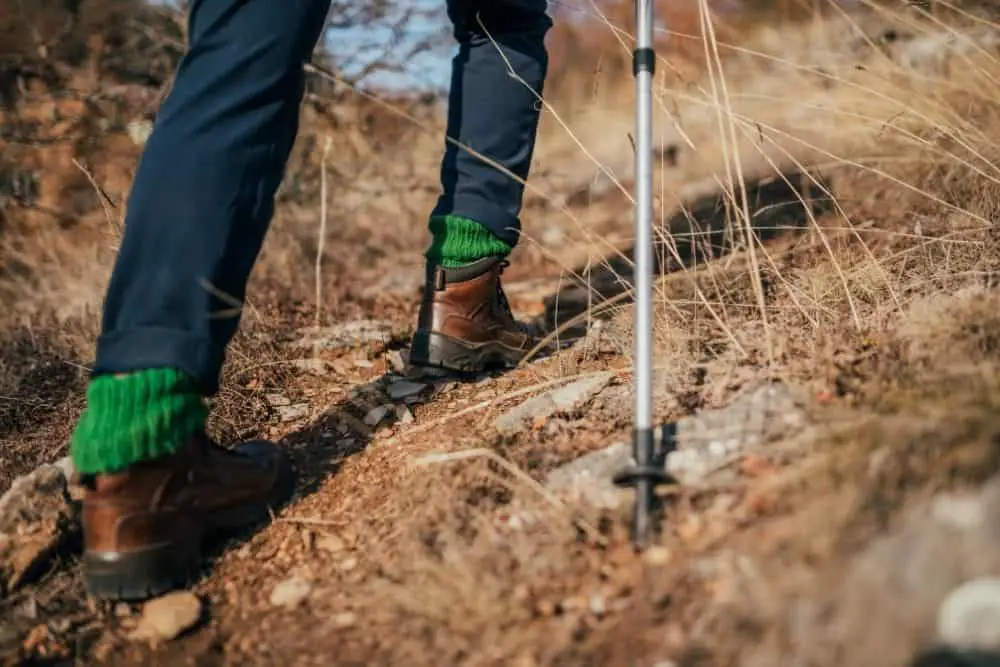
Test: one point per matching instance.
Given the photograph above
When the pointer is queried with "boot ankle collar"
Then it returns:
(441, 276)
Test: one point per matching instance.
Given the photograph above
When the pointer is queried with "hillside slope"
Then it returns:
(827, 328)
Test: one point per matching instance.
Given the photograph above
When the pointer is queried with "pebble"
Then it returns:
(598, 605)
(345, 619)
(166, 618)
(969, 618)
(290, 593)
(289, 413)
(139, 131)
(403, 415)
(657, 556)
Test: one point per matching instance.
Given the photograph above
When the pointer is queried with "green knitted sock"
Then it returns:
(458, 241)
(136, 417)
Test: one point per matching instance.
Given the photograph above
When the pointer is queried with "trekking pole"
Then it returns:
(648, 470)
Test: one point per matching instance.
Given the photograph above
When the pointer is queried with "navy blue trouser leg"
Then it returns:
(490, 111)
(203, 195)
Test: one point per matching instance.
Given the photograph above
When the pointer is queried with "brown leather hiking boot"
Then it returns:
(465, 321)
(143, 528)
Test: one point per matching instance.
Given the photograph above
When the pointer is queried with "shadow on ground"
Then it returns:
(778, 205)
(946, 657)
(321, 448)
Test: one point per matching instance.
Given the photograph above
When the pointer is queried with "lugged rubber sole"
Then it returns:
(434, 350)
(141, 574)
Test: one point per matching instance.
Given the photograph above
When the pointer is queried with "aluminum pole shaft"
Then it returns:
(643, 335)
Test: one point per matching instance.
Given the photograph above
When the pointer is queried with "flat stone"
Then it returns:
(708, 438)
(588, 479)
(347, 335)
(404, 389)
(289, 413)
(568, 398)
(376, 415)
(168, 617)
(36, 517)
(277, 400)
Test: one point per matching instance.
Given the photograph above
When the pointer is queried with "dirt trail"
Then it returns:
(399, 560)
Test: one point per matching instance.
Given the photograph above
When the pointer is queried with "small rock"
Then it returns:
(348, 564)
(403, 415)
(36, 518)
(404, 389)
(964, 512)
(552, 236)
(564, 399)
(657, 556)
(29, 609)
(166, 618)
(290, 413)
(398, 361)
(139, 131)
(344, 620)
(969, 618)
(65, 465)
(375, 416)
(291, 593)
(598, 605)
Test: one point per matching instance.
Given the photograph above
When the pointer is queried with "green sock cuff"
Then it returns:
(136, 417)
(458, 241)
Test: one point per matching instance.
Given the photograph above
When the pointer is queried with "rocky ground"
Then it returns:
(832, 393)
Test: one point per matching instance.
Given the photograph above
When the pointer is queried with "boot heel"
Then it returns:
(436, 350)
(140, 574)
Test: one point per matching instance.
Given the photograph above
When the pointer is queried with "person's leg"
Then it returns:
(199, 208)
(497, 78)
(197, 215)
(492, 115)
